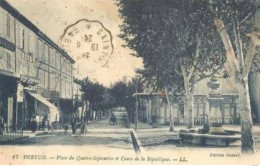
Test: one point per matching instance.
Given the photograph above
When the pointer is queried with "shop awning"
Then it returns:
(53, 111)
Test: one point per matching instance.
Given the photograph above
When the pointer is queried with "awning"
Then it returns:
(53, 111)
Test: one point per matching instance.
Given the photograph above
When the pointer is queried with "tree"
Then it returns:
(123, 94)
(234, 21)
(93, 93)
(191, 40)
(108, 101)
(172, 37)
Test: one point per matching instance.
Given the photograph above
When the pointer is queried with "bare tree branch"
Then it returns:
(250, 14)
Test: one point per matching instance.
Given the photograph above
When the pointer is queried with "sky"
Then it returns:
(54, 16)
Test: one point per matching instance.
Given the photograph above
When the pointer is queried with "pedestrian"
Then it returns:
(38, 121)
(33, 125)
(73, 123)
(83, 126)
(48, 124)
(66, 128)
(43, 124)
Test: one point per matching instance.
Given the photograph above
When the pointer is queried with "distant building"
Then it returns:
(78, 105)
(221, 105)
(36, 74)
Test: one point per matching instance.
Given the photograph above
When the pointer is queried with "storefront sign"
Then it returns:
(6, 44)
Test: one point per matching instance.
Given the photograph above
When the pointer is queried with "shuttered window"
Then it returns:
(8, 25)
(21, 38)
(41, 76)
(31, 44)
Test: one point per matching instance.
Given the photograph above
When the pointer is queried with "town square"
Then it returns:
(130, 82)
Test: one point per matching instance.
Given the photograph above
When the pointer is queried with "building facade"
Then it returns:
(214, 105)
(37, 73)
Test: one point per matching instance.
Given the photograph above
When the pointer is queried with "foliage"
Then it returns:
(93, 92)
(165, 33)
(123, 94)
(177, 41)
(97, 95)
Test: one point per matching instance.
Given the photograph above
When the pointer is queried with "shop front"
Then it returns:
(39, 109)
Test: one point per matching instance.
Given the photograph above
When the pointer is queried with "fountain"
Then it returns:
(212, 133)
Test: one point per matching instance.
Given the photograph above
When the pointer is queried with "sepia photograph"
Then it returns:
(129, 82)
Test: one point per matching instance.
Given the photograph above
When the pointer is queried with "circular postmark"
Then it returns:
(89, 43)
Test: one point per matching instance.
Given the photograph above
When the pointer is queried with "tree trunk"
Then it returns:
(189, 97)
(171, 113)
(87, 111)
(155, 111)
(233, 67)
(189, 109)
(247, 138)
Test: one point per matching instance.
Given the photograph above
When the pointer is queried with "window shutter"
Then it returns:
(31, 43)
(21, 35)
(8, 23)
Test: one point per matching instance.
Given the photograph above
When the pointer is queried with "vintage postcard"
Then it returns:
(129, 82)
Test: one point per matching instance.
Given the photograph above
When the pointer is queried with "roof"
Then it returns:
(16, 14)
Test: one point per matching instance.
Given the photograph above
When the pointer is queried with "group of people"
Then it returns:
(76, 123)
(35, 123)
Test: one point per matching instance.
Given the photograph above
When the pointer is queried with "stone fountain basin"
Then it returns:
(211, 140)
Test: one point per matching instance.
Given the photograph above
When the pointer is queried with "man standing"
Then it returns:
(66, 128)
(73, 124)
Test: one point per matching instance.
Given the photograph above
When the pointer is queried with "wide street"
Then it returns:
(104, 135)
(102, 140)
(99, 133)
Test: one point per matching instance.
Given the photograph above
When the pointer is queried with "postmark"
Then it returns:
(89, 42)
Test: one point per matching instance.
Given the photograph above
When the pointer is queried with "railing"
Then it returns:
(8, 134)
(201, 119)
(224, 119)
(227, 119)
